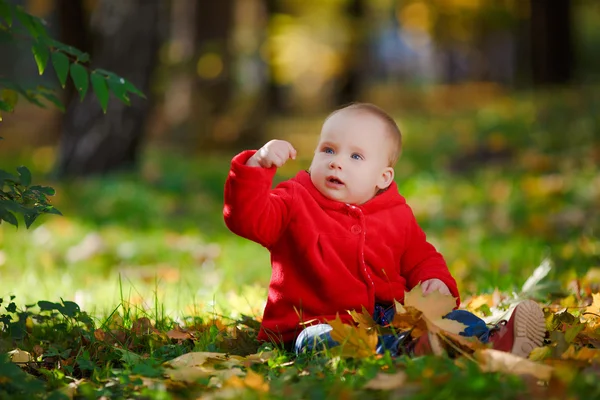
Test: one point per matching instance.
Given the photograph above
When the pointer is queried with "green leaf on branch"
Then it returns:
(39, 27)
(27, 21)
(8, 217)
(117, 86)
(60, 62)
(101, 90)
(25, 175)
(132, 89)
(6, 13)
(80, 79)
(41, 55)
(53, 99)
(47, 190)
(30, 218)
(78, 54)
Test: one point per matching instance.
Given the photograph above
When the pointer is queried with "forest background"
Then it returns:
(497, 100)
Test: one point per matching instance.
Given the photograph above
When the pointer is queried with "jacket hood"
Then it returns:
(386, 199)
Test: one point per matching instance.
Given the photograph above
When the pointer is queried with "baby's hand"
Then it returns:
(431, 285)
(274, 153)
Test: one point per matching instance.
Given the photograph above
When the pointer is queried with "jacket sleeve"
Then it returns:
(251, 208)
(421, 261)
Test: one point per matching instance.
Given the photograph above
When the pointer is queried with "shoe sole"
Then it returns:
(530, 328)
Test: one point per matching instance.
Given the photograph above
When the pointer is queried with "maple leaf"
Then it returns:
(434, 307)
(364, 319)
(409, 318)
(354, 341)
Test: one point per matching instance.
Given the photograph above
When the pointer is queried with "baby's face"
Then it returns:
(351, 160)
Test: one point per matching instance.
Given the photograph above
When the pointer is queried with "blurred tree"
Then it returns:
(74, 31)
(551, 41)
(125, 40)
(350, 81)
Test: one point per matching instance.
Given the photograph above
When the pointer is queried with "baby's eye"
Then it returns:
(327, 150)
(356, 156)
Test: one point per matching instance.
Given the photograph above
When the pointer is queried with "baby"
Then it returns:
(340, 235)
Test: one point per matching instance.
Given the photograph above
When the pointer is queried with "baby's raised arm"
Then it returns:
(273, 154)
(252, 209)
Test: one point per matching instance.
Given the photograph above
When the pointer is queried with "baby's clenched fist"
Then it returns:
(273, 154)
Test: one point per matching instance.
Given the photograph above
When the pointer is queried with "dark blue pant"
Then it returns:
(317, 337)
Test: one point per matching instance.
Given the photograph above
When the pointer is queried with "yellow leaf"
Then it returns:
(256, 381)
(384, 381)
(354, 341)
(501, 361)
(19, 356)
(540, 353)
(434, 307)
(583, 354)
(192, 366)
(259, 358)
(364, 319)
(593, 311)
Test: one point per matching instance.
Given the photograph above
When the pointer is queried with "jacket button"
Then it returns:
(356, 229)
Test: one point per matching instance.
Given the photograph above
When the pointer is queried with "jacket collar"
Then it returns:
(388, 198)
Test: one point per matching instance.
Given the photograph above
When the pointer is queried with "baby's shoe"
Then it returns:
(523, 332)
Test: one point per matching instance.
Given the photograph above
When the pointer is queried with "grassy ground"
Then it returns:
(498, 189)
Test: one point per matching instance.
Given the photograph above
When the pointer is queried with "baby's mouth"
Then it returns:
(334, 180)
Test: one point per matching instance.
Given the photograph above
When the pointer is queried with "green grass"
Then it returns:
(154, 245)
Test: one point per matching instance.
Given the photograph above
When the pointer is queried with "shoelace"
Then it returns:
(496, 327)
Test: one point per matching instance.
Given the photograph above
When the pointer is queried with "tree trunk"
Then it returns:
(74, 32)
(349, 85)
(551, 46)
(126, 40)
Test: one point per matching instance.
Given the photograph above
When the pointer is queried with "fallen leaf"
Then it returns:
(583, 354)
(364, 319)
(354, 341)
(259, 358)
(100, 335)
(179, 335)
(256, 381)
(195, 365)
(434, 307)
(142, 326)
(500, 361)
(19, 356)
(384, 381)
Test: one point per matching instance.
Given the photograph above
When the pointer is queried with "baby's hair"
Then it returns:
(393, 130)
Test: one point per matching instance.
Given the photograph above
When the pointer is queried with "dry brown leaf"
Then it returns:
(500, 361)
(354, 341)
(100, 335)
(142, 326)
(384, 381)
(463, 343)
(179, 335)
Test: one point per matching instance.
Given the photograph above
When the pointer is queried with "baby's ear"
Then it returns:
(386, 178)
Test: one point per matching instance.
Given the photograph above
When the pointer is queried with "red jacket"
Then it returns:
(327, 257)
